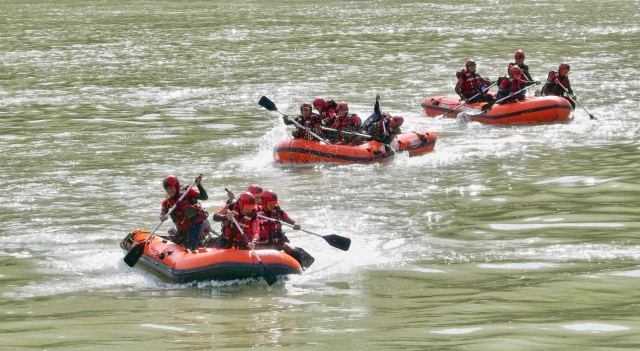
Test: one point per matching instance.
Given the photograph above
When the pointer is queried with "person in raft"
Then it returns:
(189, 215)
(555, 78)
(221, 215)
(271, 234)
(512, 88)
(519, 57)
(306, 119)
(344, 122)
(326, 109)
(470, 85)
(381, 125)
(244, 211)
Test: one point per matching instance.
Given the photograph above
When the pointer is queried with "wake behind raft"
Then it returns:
(179, 265)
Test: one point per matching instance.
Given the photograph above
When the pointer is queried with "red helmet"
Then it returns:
(171, 181)
(269, 196)
(306, 105)
(343, 106)
(318, 102)
(396, 121)
(246, 202)
(519, 55)
(254, 189)
(563, 66)
(515, 71)
(470, 62)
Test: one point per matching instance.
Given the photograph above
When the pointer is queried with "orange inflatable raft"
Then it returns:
(534, 109)
(311, 151)
(179, 265)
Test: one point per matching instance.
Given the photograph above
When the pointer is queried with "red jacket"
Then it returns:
(249, 224)
(312, 122)
(468, 83)
(267, 227)
(187, 212)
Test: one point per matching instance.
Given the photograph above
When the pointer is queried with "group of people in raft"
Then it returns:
(251, 211)
(335, 124)
(471, 87)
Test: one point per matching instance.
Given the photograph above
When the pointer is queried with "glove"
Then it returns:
(296, 226)
(276, 234)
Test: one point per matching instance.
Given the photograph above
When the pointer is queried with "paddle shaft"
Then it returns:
(344, 132)
(303, 127)
(287, 224)
(473, 97)
(576, 101)
(171, 210)
(272, 278)
(517, 92)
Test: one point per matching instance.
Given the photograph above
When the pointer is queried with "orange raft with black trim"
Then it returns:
(179, 265)
(311, 151)
(534, 109)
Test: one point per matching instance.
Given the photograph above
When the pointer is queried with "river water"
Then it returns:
(503, 238)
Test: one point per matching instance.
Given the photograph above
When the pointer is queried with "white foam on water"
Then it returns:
(594, 327)
(427, 270)
(634, 273)
(456, 331)
(297, 302)
(530, 265)
(166, 327)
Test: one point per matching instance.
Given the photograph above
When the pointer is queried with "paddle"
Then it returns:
(576, 101)
(473, 97)
(136, 252)
(345, 132)
(385, 138)
(268, 274)
(490, 104)
(271, 106)
(334, 240)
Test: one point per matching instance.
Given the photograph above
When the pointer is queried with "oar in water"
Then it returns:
(268, 274)
(576, 101)
(473, 97)
(490, 104)
(136, 252)
(334, 240)
(271, 106)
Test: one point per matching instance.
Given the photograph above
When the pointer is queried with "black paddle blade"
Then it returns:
(337, 241)
(268, 104)
(134, 255)
(487, 106)
(592, 117)
(268, 274)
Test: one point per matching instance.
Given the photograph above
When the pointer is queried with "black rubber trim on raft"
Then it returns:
(351, 158)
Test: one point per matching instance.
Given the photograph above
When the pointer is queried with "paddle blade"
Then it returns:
(385, 139)
(487, 106)
(134, 255)
(337, 241)
(268, 104)
(268, 274)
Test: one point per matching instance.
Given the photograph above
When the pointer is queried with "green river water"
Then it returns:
(503, 238)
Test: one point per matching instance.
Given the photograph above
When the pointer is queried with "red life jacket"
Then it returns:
(188, 211)
(328, 110)
(470, 84)
(268, 227)
(312, 122)
(551, 88)
(350, 122)
(524, 68)
(249, 224)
